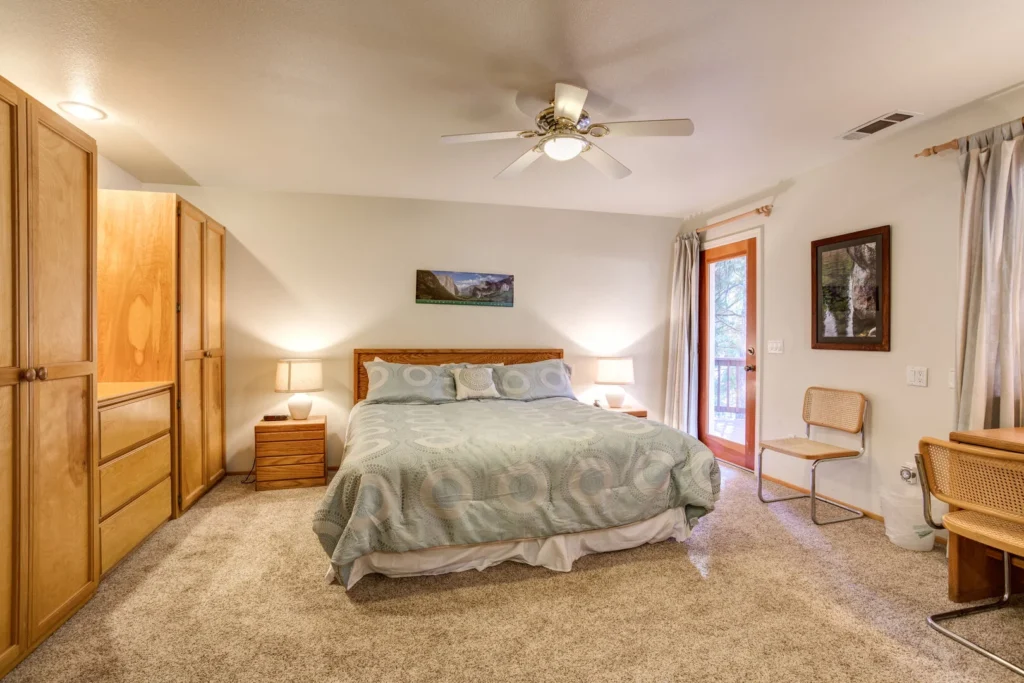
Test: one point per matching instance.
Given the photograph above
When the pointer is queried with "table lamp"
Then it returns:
(615, 372)
(297, 376)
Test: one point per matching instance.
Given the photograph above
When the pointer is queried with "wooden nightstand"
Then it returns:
(635, 411)
(291, 453)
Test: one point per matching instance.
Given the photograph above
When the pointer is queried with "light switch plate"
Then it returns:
(952, 379)
(775, 346)
(917, 376)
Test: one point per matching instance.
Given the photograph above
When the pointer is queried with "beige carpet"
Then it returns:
(234, 591)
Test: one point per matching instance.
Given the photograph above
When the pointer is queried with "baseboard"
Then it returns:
(867, 513)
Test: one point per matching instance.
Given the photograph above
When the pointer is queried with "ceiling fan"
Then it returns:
(563, 129)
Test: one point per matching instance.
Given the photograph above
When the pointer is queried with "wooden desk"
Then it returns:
(975, 570)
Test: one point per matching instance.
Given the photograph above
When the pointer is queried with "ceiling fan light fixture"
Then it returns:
(563, 147)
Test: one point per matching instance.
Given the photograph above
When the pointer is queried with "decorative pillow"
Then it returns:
(532, 381)
(402, 383)
(474, 382)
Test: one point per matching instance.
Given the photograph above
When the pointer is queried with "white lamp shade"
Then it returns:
(614, 371)
(299, 375)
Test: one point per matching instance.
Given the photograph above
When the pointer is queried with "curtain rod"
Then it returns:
(952, 144)
(765, 211)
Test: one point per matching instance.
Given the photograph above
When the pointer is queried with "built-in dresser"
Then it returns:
(136, 439)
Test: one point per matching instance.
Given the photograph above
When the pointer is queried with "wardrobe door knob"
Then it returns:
(42, 374)
(28, 375)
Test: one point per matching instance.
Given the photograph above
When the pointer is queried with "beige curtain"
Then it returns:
(684, 325)
(991, 298)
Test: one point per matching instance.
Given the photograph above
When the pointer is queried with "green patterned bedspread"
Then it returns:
(423, 476)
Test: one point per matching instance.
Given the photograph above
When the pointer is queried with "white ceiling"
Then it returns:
(345, 96)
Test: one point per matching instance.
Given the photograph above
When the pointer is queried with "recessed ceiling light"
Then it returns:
(83, 111)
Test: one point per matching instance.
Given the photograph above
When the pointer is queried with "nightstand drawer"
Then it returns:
(275, 472)
(309, 435)
(290, 447)
(289, 484)
(310, 459)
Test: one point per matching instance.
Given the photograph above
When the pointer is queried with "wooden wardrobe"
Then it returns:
(161, 317)
(49, 559)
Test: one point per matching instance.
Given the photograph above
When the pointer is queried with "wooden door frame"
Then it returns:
(722, 448)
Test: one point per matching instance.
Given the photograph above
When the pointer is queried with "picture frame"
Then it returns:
(850, 291)
(461, 288)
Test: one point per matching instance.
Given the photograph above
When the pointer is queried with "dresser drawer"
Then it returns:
(125, 477)
(126, 425)
(126, 528)
(275, 472)
(290, 447)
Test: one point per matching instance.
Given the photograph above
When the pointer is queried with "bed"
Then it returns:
(435, 488)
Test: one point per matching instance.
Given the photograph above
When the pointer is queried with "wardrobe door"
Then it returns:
(191, 427)
(13, 392)
(213, 366)
(63, 508)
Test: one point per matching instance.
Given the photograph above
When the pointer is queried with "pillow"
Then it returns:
(471, 365)
(532, 381)
(474, 382)
(402, 383)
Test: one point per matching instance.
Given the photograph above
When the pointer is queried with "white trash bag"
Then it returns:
(904, 514)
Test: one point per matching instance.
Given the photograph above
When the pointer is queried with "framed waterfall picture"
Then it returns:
(850, 285)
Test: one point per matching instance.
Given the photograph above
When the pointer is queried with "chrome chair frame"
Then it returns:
(1000, 603)
(857, 514)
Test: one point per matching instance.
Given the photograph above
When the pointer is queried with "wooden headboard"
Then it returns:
(440, 357)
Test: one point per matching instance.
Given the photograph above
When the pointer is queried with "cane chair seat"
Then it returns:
(986, 529)
(807, 449)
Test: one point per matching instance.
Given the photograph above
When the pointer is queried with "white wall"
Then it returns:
(319, 275)
(920, 199)
(110, 176)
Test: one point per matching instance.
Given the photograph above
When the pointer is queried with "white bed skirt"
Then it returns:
(556, 552)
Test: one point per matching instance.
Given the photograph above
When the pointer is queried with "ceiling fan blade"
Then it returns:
(569, 101)
(520, 164)
(635, 129)
(481, 137)
(605, 162)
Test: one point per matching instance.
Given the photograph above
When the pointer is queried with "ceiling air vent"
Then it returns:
(875, 125)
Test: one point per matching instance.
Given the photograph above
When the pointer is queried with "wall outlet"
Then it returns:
(775, 346)
(917, 376)
(952, 379)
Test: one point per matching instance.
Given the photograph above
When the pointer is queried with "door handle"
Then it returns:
(27, 375)
(749, 368)
(42, 374)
